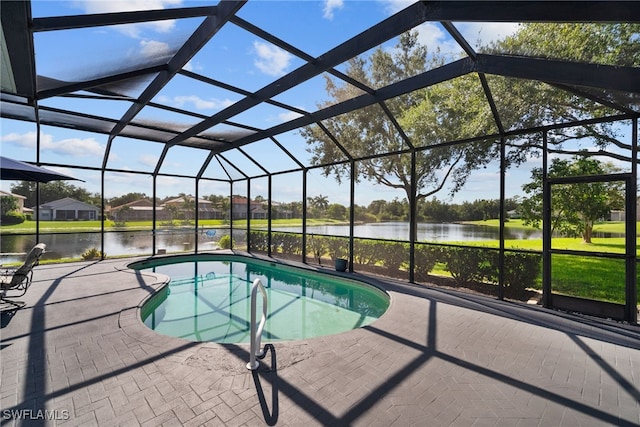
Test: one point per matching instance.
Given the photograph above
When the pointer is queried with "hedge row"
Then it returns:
(466, 265)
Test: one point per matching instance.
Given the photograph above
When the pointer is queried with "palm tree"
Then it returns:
(321, 202)
(188, 207)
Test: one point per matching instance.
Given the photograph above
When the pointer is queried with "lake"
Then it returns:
(136, 243)
(115, 243)
(431, 232)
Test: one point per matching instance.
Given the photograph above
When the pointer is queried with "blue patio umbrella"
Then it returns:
(15, 170)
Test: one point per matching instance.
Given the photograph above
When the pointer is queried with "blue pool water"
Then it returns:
(209, 299)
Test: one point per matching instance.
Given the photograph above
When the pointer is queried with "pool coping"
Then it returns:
(436, 356)
(130, 319)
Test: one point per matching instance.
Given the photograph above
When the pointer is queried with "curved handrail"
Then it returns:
(256, 333)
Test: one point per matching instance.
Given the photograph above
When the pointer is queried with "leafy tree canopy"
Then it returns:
(8, 204)
(51, 191)
(575, 207)
(127, 198)
(458, 109)
(527, 103)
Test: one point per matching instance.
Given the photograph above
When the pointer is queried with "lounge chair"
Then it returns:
(14, 282)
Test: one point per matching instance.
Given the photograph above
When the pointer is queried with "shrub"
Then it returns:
(288, 243)
(259, 240)
(395, 254)
(93, 253)
(466, 265)
(225, 242)
(367, 252)
(338, 247)
(520, 272)
(463, 264)
(426, 257)
(12, 218)
(317, 244)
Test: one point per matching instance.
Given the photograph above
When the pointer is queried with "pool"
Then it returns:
(209, 299)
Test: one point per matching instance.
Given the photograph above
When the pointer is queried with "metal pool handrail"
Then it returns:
(256, 333)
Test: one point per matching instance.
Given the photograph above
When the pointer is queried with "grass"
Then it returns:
(587, 277)
(614, 245)
(599, 279)
(581, 276)
(602, 227)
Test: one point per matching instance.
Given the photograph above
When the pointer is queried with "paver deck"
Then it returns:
(78, 353)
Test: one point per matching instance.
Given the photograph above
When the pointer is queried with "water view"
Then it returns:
(427, 232)
(13, 247)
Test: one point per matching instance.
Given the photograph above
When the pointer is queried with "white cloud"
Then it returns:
(154, 49)
(132, 30)
(434, 36)
(117, 184)
(148, 160)
(271, 59)
(197, 102)
(395, 6)
(480, 33)
(25, 140)
(75, 147)
(169, 185)
(193, 67)
(330, 6)
(290, 115)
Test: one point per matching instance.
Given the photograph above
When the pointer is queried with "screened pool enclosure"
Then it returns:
(489, 146)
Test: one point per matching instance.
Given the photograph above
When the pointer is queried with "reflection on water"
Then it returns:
(427, 232)
(210, 301)
(132, 243)
(140, 242)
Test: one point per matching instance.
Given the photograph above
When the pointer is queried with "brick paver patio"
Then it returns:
(78, 353)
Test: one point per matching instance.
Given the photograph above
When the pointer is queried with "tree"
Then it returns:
(188, 206)
(295, 208)
(376, 207)
(220, 202)
(122, 215)
(337, 211)
(10, 211)
(126, 198)
(370, 131)
(319, 204)
(8, 204)
(51, 191)
(527, 103)
(574, 207)
(458, 109)
(174, 212)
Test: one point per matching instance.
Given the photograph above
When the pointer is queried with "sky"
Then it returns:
(234, 56)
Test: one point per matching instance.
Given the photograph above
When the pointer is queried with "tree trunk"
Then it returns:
(586, 234)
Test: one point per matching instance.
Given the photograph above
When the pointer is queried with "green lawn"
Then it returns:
(603, 227)
(606, 245)
(587, 277)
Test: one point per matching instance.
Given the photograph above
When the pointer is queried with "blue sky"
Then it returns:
(234, 56)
